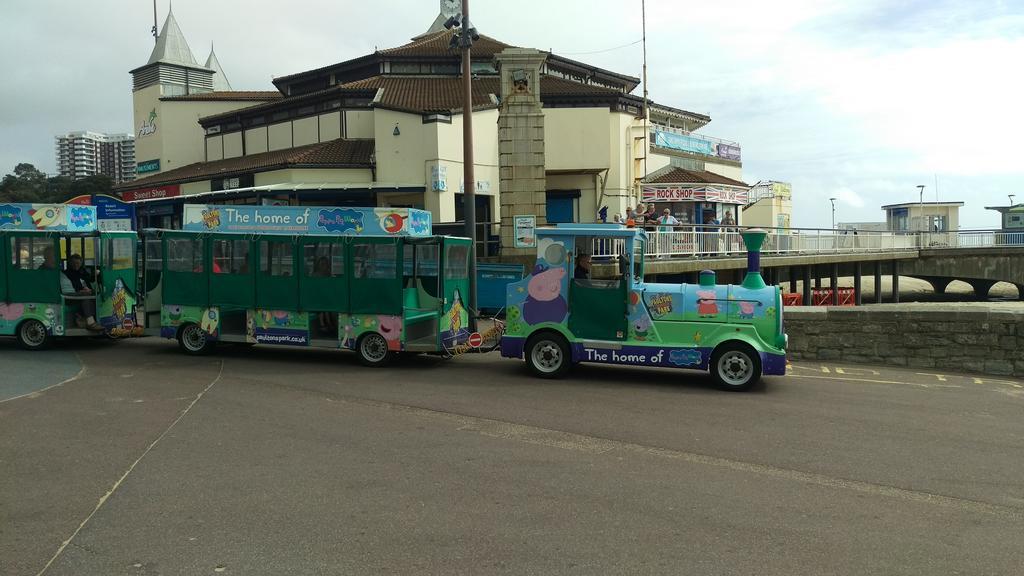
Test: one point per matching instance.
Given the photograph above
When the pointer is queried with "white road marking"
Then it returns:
(120, 480)
(37, 393)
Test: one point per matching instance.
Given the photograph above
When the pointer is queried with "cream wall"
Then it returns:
(178, 140)
(330, 126)
(576, 138)
(195, 187)
(233, 145)
(214, 148)
(304, 131)
(359, 124)
(355, 176)
(280, 136)
(734, 172)
(256, 140)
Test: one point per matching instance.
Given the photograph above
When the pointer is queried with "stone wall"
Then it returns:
(986, 338)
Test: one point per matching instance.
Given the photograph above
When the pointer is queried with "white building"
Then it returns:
(82, 154)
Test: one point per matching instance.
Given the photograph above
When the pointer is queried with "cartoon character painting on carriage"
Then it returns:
(555, 321)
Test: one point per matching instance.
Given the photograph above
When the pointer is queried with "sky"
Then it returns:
(861, 100)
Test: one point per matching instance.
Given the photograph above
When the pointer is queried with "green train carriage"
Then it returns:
(373, 280)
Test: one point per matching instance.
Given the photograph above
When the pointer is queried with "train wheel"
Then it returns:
(32, 335)
(373, 350)
(548, 355)
(194, 340)
(735, 366)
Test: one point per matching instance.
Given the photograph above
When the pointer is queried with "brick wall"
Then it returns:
(981, 338)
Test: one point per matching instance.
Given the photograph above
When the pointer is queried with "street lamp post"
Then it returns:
(920, 202)
(833, 201)
(464, 39)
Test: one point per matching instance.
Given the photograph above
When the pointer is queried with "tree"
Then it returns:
(27, 184)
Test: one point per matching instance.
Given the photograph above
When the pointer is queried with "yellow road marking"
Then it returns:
(868, 380)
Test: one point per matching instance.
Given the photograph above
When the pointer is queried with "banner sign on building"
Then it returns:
(147, 166)
(683, 143)
(154, 193)
(317, 220)
(696, 145)
(727, 151)
(725, 194)
(56, 217)
(526, 231)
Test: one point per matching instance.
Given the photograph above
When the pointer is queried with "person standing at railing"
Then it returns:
(666, 225)
(729, 227)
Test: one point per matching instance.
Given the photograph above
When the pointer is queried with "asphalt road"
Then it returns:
(129, 458)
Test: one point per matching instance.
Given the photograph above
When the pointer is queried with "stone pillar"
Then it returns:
(833, 284)
(896, 281)
(522, 182)
(807, 284)
(792, 279)
(878, 281)
(981, 287)
(857, 284)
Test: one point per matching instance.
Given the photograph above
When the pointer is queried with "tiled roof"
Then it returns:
(256, 95)
(333, 154)
(444, 94)
(437, 45)
(418, 94)
(683, 176)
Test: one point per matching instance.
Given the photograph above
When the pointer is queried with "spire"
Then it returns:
(171, 46)
(220, 80)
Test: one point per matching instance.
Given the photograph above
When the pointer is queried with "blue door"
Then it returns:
(560, 209)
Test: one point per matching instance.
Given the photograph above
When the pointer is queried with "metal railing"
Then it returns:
(706, 241)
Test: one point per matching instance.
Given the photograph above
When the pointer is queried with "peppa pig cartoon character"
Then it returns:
(706, 305)
(545, 302)
(391, 329)
(746, 310)
(641, 328)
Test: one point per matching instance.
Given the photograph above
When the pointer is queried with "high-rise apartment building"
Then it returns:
(82, 154)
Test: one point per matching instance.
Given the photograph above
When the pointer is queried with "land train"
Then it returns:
(377, 281)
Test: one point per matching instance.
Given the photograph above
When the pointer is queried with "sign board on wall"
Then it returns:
(147, 166)
(58, 217)
(438, 178)
(725, 194)
(112, 214)
(151, 193)
(319, 220)
(526, 231)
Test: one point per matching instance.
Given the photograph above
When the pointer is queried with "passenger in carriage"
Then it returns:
(75, 282)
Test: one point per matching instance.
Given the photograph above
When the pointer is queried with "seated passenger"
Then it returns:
(75, 282)
(49, 262)
(582, 271)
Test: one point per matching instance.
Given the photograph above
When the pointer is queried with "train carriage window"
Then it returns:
(324, 259)
(456, 262)
(376, 261)
(184, 255)
(120, 252)
(154, 254)
(276, 258)
(230, 256)
(32, 253)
